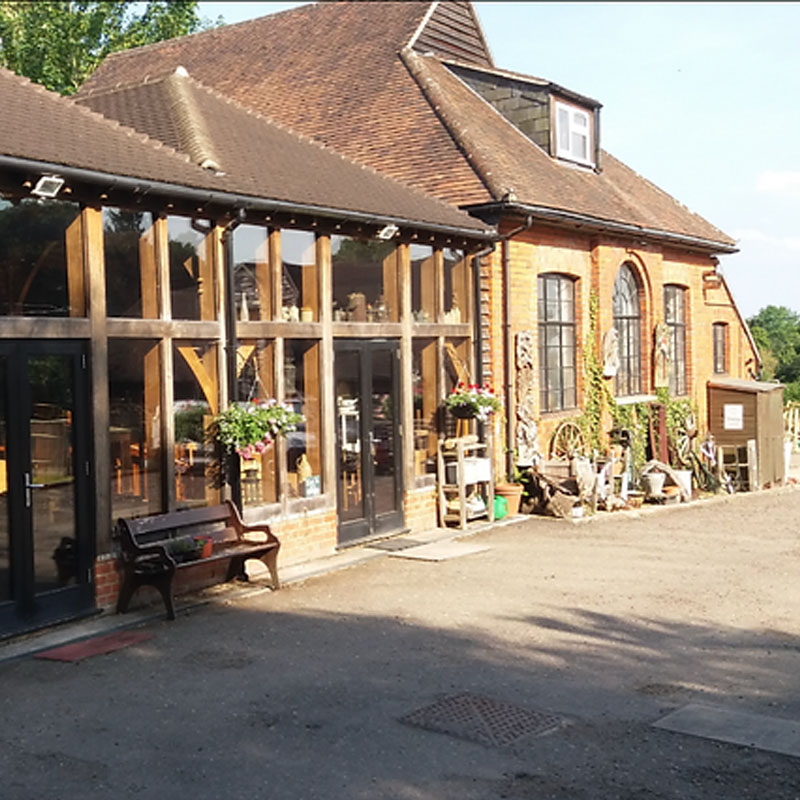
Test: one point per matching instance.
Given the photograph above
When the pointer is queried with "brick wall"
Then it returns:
(420, 509)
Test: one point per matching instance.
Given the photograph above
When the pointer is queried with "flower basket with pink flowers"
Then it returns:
(248, 428)
(474, 401)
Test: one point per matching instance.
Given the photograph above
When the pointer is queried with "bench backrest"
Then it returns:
(219, 522)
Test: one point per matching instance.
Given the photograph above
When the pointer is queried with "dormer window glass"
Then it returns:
(573, 133)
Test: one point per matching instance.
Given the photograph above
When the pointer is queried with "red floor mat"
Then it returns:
(97, 646)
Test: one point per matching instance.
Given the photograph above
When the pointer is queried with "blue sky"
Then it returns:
(700, 98)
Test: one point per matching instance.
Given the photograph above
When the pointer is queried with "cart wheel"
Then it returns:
(567, 441)
(684, 435)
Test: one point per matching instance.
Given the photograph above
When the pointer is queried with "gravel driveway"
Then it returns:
(595, 630)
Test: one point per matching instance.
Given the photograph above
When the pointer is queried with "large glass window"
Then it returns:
(301, 371)
(195, 394)
(628, 325)
(424, 283)
(256, 380)
(675, 317)
(299, 276)
(191, 269)
(556, 342)
(457, 287)
(720, 333)
(365, 280)
(425, 384)
(41, 259)
(130, 255)
(134, 389)
(252, 278)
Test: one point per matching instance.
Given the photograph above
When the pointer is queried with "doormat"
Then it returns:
(482, 720)
(440, 551)
(96, 646)
(392, 545)
(735, 727)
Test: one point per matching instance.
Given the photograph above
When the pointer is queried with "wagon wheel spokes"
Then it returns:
(567, 441)
(683, 437)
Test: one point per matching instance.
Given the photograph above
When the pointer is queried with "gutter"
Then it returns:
(570, 217)
(200, 197)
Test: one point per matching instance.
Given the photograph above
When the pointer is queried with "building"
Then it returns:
(146, 284)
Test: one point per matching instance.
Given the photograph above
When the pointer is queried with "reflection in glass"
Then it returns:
(134, 380)
(256, 373)
(41, 259)
(423, 283)
(457, 288)
(365, 276)
(302, 393)
(426, 402)
(299, 278)
(130, 255)
(251, 273)
(347, 370)
(195, 402)
(383, 431)
(53, 499)
(191, 270)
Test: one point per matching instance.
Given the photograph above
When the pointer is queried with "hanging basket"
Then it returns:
(463, 412)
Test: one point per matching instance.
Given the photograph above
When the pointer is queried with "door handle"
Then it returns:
(28, 487)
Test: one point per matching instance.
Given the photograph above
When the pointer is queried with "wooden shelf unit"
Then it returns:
(463, 457)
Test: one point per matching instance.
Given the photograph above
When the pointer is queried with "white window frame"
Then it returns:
(574, 113)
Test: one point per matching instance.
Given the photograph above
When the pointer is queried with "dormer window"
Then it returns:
(574, 133)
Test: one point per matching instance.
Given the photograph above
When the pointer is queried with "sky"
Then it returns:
(699, 98)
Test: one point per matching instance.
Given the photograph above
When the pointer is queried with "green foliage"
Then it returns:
(776, 330)
(59, 44)
(247, 428)
(595, 387)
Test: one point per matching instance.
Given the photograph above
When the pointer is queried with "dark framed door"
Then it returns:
(46, 529)
(368, 441)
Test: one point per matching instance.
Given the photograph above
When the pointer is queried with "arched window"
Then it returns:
(675, 317)
(720, 331)
(556, 342)
(628, 324)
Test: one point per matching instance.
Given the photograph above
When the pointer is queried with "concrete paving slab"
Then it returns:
(737, 727)
(439, 551)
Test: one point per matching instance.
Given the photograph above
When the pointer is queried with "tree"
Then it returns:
(776, 330)
(58, 44)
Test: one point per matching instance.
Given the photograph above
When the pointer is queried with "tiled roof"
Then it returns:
(257, 158)
(344, 74)
(349, 90)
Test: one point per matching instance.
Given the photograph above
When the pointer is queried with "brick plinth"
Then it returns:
(420, 509)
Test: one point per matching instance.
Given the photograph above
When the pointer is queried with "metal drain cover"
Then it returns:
(481, 719)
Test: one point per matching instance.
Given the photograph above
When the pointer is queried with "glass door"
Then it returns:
(368, 439)
(45, 518)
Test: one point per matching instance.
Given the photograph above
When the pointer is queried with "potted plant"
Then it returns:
(247, 428)
(473, 401)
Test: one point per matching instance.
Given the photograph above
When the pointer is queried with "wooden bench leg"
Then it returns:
(271, 560)
(164, 586)
(125, 594)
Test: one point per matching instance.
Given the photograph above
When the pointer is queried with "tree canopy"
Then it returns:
(58, 44)
(776, 330)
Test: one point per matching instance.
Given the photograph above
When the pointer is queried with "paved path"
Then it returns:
(608, 626)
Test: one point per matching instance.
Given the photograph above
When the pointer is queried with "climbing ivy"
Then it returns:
(595, 387)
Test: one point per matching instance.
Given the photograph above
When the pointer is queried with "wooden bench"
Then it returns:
(154, 548)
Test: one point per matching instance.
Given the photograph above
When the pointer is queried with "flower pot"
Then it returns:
(653, 484)
(462, 412)
(512, 493)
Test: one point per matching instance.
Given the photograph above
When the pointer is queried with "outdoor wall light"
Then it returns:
(388, 232)
(48, 186)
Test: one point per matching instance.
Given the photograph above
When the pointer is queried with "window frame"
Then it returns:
(629, 331)
(566, 329)
(720, 347)
(678, 372)
(568, 152)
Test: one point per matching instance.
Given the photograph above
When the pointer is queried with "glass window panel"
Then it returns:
(301, 371)
(423, 283)
(191, 270)
(365, 287)
(300, 276)
(5, 537)
(579, 149)
(424, 378)
(195, 392)
(130, 256)
(457, 287)
(41, 259)
(563, 129)
(256, 380)
(134, 389)
(252, 277)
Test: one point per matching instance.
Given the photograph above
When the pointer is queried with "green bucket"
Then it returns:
(500, 507)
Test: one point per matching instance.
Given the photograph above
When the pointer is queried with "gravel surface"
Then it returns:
(608, 625)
